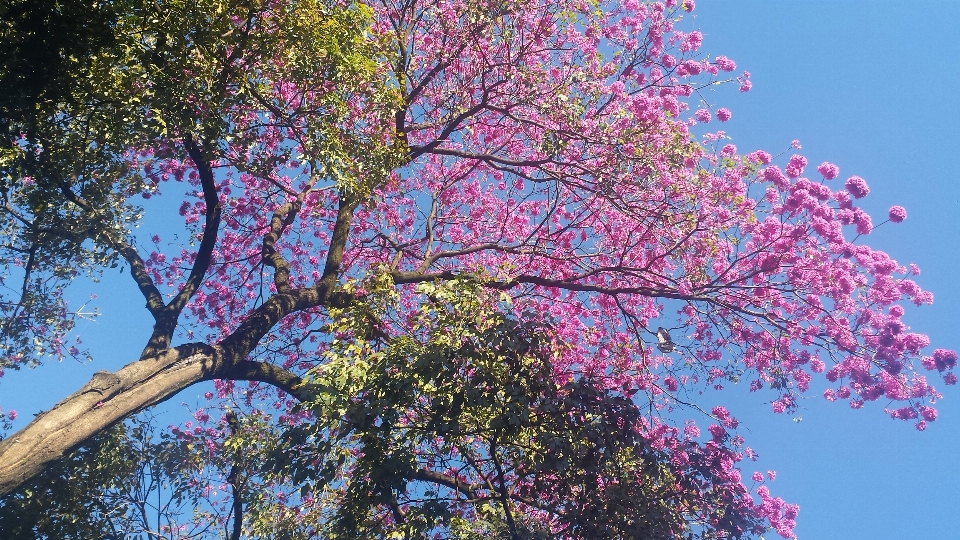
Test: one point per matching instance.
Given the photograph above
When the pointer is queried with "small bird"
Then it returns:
(665, 344)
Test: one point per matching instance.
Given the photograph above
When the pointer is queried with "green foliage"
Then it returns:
(105, 487)
(470, 394)
(94, 93)
(68, 500)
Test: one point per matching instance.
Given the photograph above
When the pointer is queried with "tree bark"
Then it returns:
(107, 399)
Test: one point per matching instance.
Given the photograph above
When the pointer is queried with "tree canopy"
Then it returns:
(464, 256)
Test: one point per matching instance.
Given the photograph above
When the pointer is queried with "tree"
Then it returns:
(129, 478)
(365, 179)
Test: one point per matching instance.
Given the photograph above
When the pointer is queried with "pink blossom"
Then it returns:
(693, 42)
(950, 378)
(944, 359)
(723, 114)
(760, 157)
(857, 187)
(728, 150)
(725, 63)
(702, 115)
(864, 223)
(12, 415)
(795, 144)
(796, 165)
(689, 5)
(898, 214)
(775, 175)
(691, 67)
(921, 425)
(745, 86)
(757, 477)
(828, 170)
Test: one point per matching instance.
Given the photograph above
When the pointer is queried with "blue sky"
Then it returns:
(865, 85)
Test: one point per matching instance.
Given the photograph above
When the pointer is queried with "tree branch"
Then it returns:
(138, 269)
(214, 213)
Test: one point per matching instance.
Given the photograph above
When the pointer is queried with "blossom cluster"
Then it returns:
(568, 178)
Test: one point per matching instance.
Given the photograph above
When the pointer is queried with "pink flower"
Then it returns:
(775, 175)
(689, 5)
(757, 477)
(745, 86)
(795, 144)
(723, 114)
(728, 150)
(693, 42)
(725, 63)
(772, 475)
(702, 116)
(898, 214)
(864, 223)
(796, 165)
(857, 187)
(12, 415)
(950, 378)
(760, 157)
(944, 359)
(691, 67)
(921, 425)
(828, 170)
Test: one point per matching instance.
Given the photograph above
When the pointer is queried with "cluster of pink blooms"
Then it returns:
(572, 184)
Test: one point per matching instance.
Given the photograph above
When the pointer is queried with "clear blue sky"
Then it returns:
(865, 85)
(871, 86)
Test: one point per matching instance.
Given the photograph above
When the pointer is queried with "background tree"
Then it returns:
(131, 478)
(542, 151)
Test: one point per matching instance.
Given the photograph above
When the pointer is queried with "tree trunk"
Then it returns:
(107, 399)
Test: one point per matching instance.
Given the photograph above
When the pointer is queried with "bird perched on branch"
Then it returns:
(664, 343)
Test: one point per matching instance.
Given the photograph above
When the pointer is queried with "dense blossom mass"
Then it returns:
(549, 160)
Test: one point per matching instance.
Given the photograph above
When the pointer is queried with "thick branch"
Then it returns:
(248, 370)
(211, 228)
(167, 319)
(468, 490)
(110, 397)
(107, 399)
(338, 243)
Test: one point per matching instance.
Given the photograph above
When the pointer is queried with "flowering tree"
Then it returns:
(475, 246)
